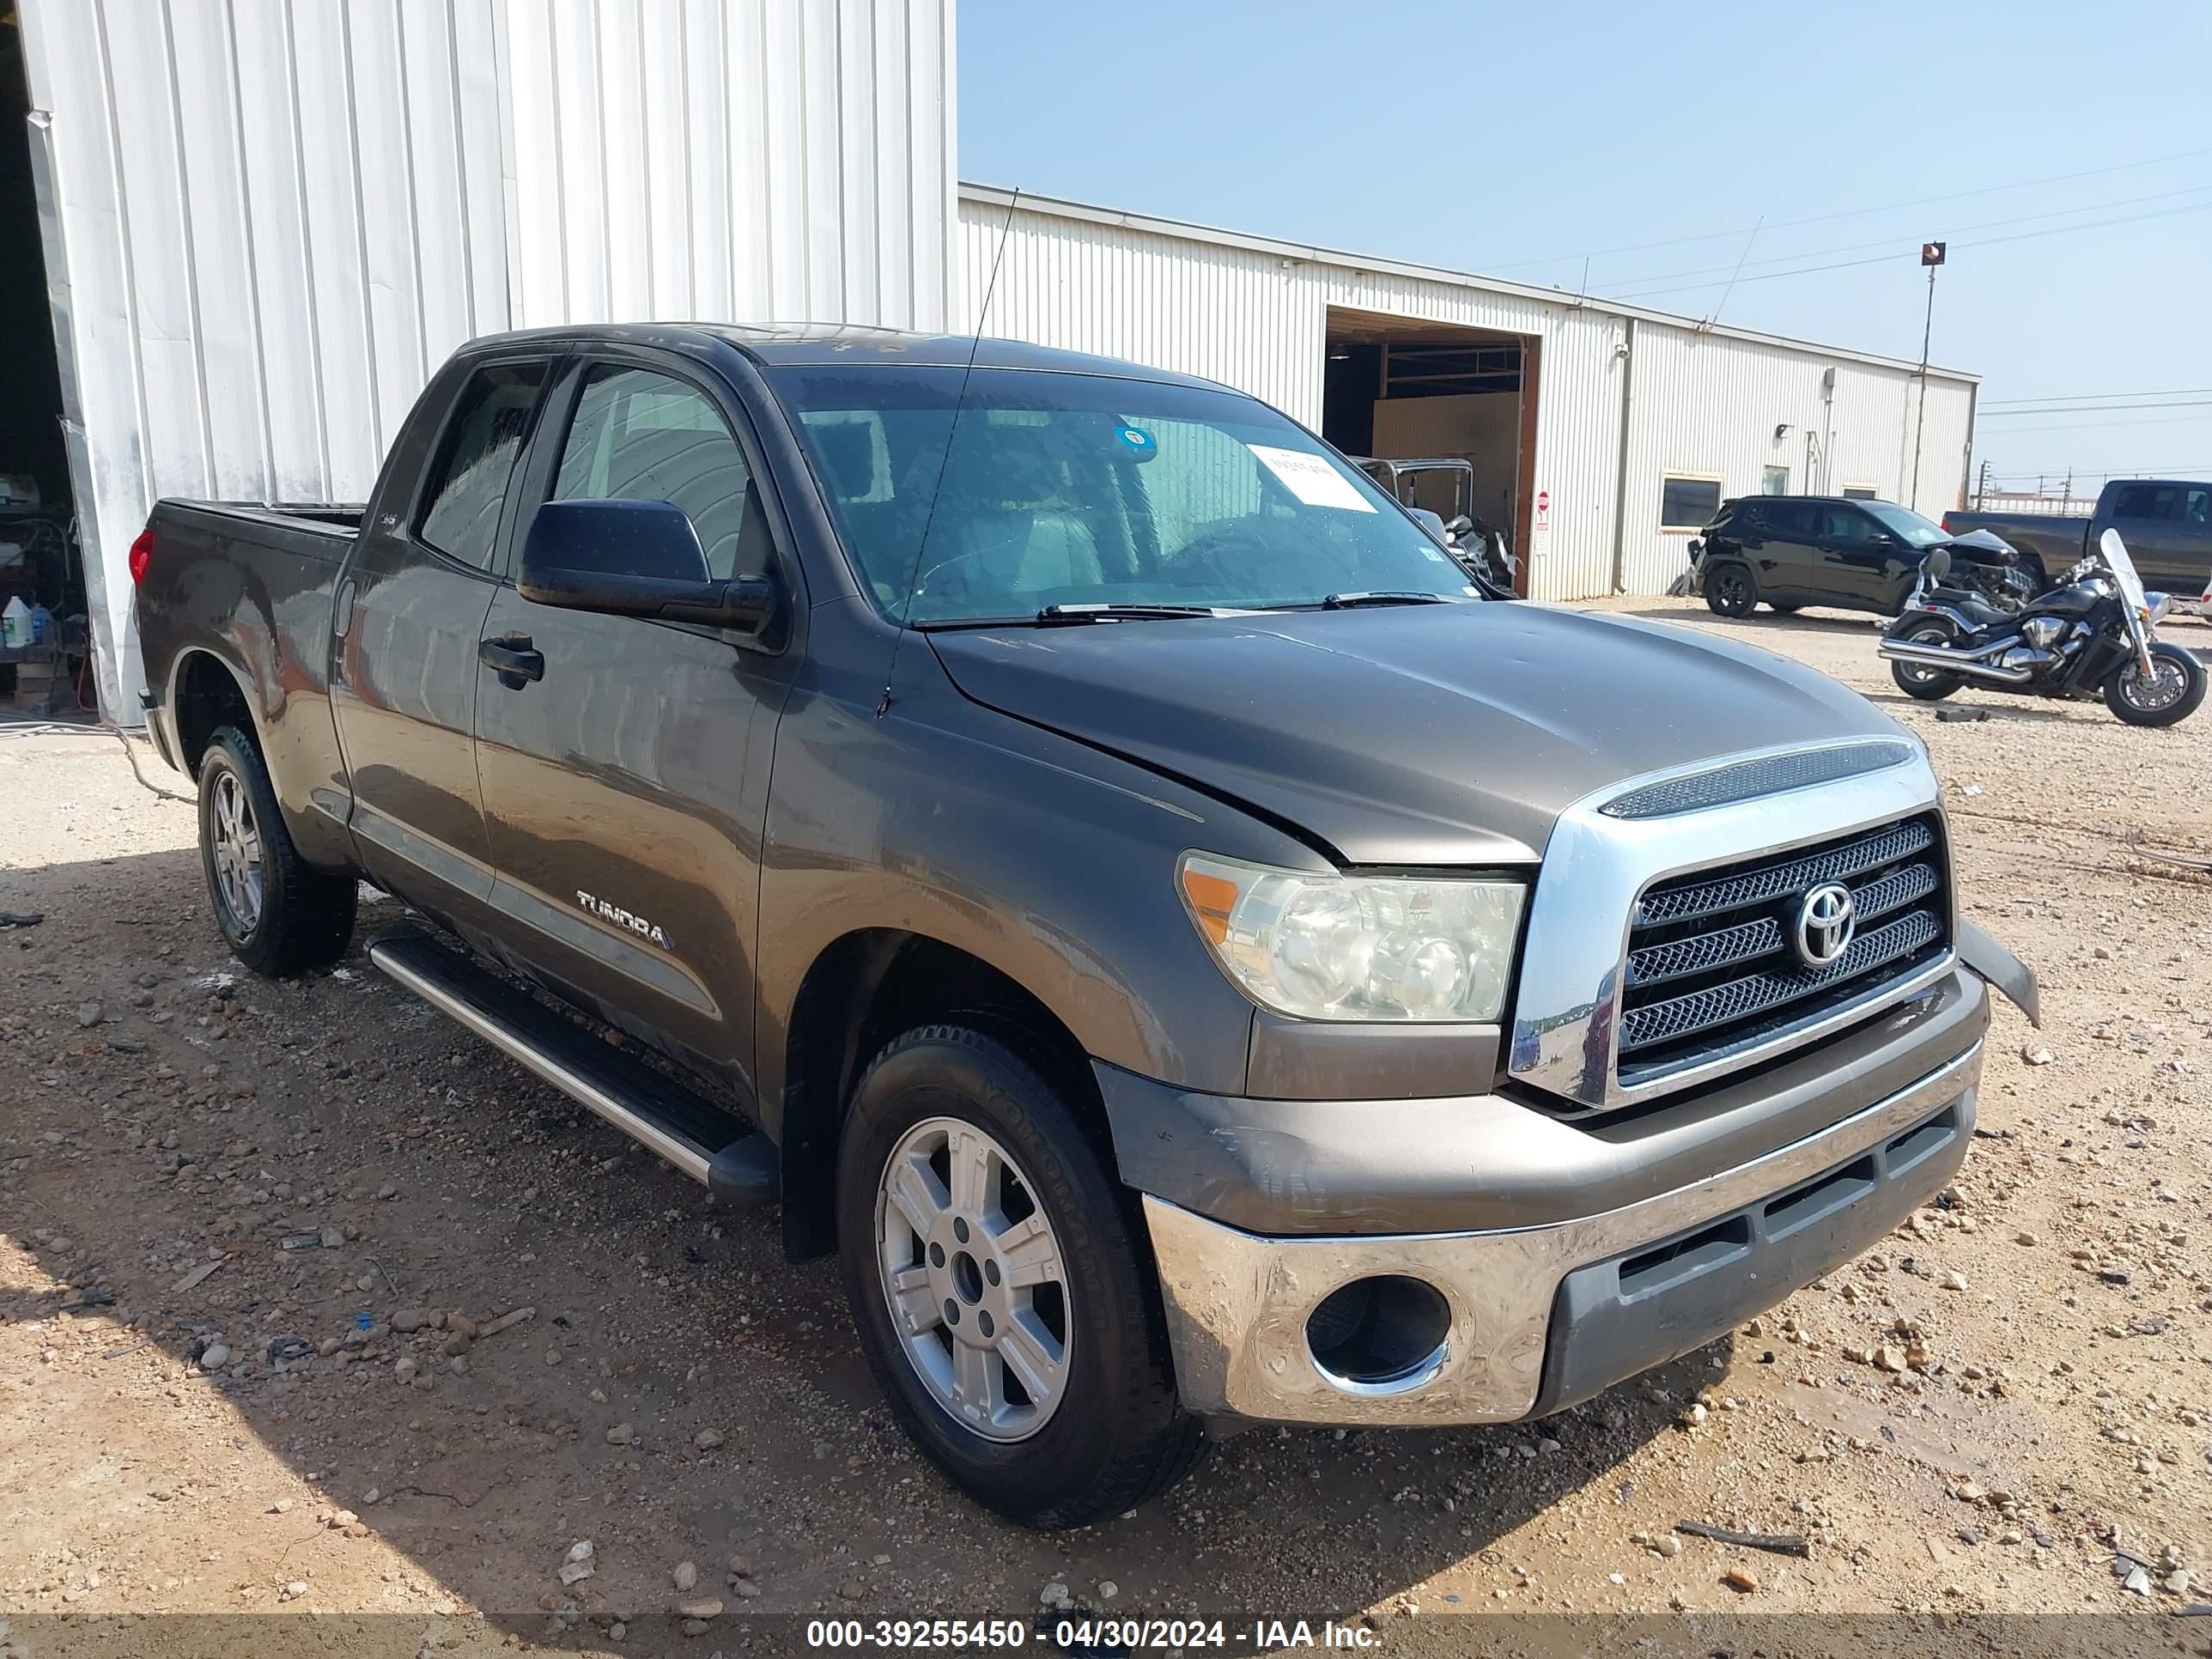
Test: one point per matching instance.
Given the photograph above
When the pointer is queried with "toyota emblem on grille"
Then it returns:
(1826, 923)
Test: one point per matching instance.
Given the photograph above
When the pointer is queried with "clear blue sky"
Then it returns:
(1513, 140)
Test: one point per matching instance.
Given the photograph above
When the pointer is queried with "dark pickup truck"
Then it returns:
(2165, 522)
(1063, 833)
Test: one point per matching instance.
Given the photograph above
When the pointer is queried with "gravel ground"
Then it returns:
(248, 1228)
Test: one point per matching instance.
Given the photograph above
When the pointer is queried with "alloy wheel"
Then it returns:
(236, 845)
(974, 1279)
(2165, 687)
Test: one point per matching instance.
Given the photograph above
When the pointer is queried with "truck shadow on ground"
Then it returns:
(291, 1173)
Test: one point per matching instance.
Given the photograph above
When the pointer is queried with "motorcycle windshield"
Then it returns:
(2125, 578)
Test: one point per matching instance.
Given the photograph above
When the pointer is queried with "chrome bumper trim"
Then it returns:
(1238, 1304)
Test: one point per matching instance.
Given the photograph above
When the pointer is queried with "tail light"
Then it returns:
(141, 550)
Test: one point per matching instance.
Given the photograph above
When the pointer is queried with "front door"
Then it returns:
(626, 787)
(1856, 554)
(404, 676)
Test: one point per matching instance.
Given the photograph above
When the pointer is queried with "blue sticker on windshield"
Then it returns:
(1136, 437)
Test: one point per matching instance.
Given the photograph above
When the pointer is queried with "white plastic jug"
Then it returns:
(15, 622)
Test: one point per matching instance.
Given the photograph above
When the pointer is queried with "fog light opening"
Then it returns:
(1382, 1334)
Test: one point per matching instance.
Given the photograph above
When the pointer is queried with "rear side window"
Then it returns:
(1791, 521)
(639, 436)
(468, 485)
(1687, 503)
(2173, 503)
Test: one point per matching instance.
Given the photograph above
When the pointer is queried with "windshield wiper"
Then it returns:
(1104, 612)
(1382, 596)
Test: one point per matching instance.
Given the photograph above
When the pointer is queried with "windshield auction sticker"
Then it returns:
(1310, 479)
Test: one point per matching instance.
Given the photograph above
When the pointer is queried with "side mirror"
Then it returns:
(2112, 547)
(635, 559)
(1938, 564)
(1431, 522)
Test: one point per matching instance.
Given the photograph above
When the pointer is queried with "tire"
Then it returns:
(2128, 678)
(1928, 684)
(279, 915)
(1109, 1431)
(1731, 590)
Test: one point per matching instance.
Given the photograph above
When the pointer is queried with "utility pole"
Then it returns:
(1982, 487)
(1931, 255)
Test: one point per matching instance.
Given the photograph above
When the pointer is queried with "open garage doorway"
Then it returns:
(1400, 388)
(38, 561)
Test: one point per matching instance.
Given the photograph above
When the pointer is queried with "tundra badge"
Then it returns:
(622, 918)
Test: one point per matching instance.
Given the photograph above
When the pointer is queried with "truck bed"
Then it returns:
(248, 586)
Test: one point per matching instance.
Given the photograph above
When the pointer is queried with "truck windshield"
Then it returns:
(1081, 490)
(1904, 522)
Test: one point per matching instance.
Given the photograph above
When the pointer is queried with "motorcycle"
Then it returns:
(1991, 567)
(2095, 631)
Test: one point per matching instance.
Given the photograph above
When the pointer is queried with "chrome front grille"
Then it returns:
(1712, 967)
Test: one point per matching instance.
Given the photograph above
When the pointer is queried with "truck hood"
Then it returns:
(1418, 735)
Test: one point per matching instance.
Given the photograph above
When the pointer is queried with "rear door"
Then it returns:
(403, 671)
(626, 788)
(1784, 553)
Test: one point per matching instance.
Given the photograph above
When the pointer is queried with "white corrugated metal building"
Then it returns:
(263, 222)
(1600, 432)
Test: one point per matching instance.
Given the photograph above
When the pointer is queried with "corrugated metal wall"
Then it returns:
(267, 221)
(1254, 314)
(264, 222)
(752, 158)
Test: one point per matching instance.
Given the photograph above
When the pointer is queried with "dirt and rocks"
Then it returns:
(310, 1301)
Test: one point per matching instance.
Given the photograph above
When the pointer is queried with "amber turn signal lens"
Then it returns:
(1212, 899)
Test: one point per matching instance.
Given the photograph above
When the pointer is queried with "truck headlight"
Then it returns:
(1357, 947)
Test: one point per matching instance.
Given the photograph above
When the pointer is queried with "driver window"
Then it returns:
(638, 437)
(1849, 525)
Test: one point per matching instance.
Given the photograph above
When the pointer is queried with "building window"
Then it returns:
(1775, 482)
(1687, 503)
(1861, 493)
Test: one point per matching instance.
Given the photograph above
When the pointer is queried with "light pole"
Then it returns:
(1931, 255)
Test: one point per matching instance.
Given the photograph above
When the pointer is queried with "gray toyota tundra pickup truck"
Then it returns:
(1061, 832)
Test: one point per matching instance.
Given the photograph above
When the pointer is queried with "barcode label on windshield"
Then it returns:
(1311, 479)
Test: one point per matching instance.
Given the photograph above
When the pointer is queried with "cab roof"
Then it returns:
(775, 345)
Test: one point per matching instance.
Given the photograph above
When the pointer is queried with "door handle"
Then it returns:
(516, 663)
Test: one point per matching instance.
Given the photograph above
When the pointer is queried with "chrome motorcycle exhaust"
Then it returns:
(1956, 662)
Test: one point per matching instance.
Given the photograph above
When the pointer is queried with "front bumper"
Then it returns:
(1541, 1316)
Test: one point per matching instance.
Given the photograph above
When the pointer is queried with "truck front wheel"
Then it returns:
(998, 1281)
(279, 915)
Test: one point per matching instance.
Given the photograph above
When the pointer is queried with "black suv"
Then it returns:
(1794, 551)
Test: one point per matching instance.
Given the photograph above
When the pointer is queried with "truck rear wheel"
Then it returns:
(999, 1282)
(280, 916)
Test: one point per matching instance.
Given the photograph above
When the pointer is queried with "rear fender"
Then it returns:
(1914, 616)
